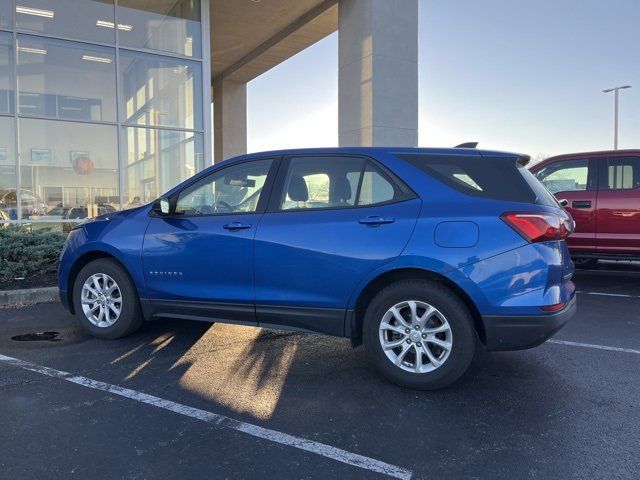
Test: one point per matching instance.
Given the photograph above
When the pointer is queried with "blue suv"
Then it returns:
(420, 254)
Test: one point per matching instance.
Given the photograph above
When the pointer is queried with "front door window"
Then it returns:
(571, 176)
(235, 189)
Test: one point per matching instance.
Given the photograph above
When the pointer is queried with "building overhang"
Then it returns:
(249, 37)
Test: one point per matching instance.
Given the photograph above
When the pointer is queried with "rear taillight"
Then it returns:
(539, 226)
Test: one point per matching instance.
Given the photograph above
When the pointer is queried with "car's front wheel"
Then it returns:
(105, 300)
(419, 334)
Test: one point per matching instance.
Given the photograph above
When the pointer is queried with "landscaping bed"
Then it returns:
(34, 281)
(29, 259)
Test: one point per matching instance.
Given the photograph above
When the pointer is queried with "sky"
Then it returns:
(513, 75)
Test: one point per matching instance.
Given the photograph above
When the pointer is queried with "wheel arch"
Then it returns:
(79, 264)
(407, 273)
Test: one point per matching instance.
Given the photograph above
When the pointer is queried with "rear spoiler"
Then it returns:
(467, 145)
(522, 159)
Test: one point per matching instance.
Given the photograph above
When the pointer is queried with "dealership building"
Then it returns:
(105, 104)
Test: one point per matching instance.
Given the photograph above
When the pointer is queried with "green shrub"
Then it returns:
(25, 253)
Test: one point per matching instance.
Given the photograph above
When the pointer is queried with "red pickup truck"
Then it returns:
(602, 193)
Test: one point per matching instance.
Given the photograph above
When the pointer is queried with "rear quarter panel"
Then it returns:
(501, 272)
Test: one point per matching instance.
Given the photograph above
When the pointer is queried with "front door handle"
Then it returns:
(375, 220)
(581, 204)
(235, 226)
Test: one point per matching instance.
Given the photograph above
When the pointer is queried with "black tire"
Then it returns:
(585, 262)
(463, 345)
(130, 318)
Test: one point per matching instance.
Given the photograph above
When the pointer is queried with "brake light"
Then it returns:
(539, 226)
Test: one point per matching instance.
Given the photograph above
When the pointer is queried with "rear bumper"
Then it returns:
(517, 332)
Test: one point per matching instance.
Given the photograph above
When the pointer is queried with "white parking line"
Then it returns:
(597, 347)
(605, 294)
(300, 443)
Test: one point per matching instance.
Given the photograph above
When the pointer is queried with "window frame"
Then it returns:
(603, 177)
(278, 191)
(263, 201)
(592, 172)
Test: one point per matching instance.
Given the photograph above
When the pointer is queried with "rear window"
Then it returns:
(496, 178)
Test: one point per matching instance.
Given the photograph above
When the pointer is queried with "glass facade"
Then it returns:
(68, 165)
(8, 201)
(147, 25)
(6, 73)
(101, 105)
(62, 79)
(163, 92)
(155, 158)
(6, 13)
(76, 19)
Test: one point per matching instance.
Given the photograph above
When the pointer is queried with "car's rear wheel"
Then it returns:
(105, 300)
(419, 334)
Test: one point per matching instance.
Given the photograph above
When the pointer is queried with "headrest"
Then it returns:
(297, 190)
(341, 189)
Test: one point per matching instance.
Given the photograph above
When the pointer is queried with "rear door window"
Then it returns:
(317, 182)
(321, 182)
(377, 188)
(621, 173)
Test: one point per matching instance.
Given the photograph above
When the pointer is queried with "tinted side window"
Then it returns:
(321, 182)
(622, 173)
(497, 178)
(234, 189)
(570, 176)
(377, 188)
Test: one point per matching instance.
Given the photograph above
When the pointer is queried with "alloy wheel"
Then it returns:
(101, 300)
(415, 336)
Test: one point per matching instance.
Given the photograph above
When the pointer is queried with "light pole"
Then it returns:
(615, 114)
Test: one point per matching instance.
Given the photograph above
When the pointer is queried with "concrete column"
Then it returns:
(378, 72)
(229, 119)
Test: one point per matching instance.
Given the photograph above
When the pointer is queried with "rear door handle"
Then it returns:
(375, 220)
(235, 226)
(624, 214)
(581, 204)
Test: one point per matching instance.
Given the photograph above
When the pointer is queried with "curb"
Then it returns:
(28, 296)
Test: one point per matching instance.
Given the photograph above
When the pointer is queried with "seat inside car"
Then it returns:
(340, 191)
(298, 191)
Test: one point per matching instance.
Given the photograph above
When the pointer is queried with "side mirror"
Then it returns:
(162, 206)
(563, 202)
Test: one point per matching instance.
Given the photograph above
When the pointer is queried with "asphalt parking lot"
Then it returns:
(192, 400)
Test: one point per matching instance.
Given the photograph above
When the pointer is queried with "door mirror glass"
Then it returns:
(162, 206)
